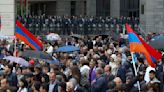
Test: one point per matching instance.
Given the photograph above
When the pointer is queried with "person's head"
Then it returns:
(8, 68)
(152, 74)
(19, 71)
(75, 71)
(23, 83)
(29, 77)
(52, 76)
(46, 69)
(113, 57)
(151, 87)
(36, 86)
(111, 85)
(99, 72)
(64, 77)
(74, 81)
(140, 60)
(92, 64)
(44, 88)
(62, 87)
(69, 87)
(4, 83)
(107, 68)
(45, 78)
(128, 79)
(37, 69)
(101, 64)
(24, 70)
(141, 76)
(118, 82)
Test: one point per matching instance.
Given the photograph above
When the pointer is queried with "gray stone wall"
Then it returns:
(115, 8)
(63, 7)
(80, 7)
(91, 7)
(153, 18)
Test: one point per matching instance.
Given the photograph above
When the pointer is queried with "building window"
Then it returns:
(142, 9)
(85, 7)
(73, 7)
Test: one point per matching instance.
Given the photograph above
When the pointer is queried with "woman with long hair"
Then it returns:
(22, 85)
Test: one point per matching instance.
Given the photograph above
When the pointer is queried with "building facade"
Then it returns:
(114, 8)
(152, 15)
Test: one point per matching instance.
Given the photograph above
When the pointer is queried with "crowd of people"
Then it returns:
(101, 65)
(63, 25)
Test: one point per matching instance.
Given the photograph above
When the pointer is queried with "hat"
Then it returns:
(31, 62)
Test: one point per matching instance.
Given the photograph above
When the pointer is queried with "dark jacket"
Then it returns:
(99, 85)
(79, 89)
(12, 78)
(55, 89)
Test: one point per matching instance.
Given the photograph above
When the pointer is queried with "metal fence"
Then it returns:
(95, 29)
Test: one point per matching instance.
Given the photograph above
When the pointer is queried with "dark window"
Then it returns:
(142, 9)
(73, 7)
(85, 7)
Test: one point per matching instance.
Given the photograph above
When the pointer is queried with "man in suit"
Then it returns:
(107, 73)
(53, 84)
(99, 84)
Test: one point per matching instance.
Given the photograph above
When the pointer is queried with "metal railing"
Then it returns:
(94, 29)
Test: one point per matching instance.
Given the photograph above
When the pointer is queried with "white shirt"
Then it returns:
(113, 67)
(84, 70)
(146, 77)
(49, 50)
(51, 86)
(22, 90)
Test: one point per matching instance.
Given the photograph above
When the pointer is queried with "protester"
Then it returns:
(22, 85)
(103, 63)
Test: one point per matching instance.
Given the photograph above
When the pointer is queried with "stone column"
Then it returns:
(63, 7)
(115, 8)
(91, 7)
(80, 7)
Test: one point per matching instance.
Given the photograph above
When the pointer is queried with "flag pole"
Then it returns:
(15, 46)
(135, 70)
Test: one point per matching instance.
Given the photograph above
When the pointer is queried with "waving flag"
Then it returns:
(28, 38)
(138, 45)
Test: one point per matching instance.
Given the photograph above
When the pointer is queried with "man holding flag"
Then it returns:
(137, 45)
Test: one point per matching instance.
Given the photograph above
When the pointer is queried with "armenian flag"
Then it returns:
(140, 46)
(28, 38)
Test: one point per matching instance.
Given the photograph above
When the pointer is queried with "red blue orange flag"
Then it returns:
(140, 46)
(28, 38)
